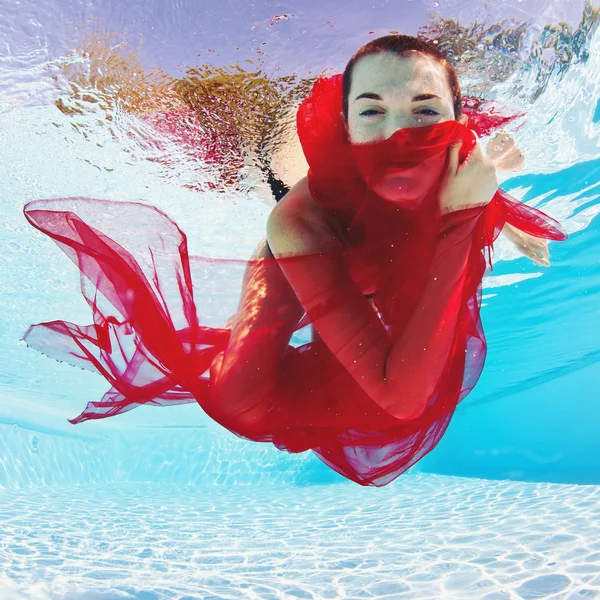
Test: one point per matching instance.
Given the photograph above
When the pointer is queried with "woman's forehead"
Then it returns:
(387, 73)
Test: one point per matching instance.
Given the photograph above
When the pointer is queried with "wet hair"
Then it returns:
(401, 45)
(278, 188)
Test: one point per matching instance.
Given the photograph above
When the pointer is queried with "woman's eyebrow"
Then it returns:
(419, 98)
(422, 97)
(369, 95)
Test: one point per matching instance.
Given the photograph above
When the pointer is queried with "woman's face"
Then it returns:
(390, 92)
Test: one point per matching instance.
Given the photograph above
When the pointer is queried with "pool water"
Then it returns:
(163, 503)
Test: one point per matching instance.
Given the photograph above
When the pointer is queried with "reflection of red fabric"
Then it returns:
(484, 116)
(221, 148)
(423, 272)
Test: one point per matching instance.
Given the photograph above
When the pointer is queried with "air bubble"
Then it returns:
(33, 440)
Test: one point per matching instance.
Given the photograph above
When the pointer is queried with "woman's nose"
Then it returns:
(394, 122)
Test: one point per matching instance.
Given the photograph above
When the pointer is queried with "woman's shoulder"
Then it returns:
(297, 220)
(298, 205)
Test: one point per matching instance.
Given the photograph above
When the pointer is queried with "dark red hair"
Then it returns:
(400, 45)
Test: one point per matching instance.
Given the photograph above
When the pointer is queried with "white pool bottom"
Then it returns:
(425, 536)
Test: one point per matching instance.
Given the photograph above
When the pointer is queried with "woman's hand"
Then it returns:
(472, 183)
(534, 248)
(504, 154)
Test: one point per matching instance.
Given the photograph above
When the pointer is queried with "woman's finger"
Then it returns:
(538, 252)
(503, 145)
(453, 157)
(537, 257)
(474, 157)
(477, 151)
(510, 162)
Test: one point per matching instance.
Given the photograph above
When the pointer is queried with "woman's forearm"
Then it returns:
(415, 364)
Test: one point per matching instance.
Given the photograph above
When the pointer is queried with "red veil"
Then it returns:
(153, 347)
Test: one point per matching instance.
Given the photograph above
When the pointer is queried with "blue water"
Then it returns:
(165, 504)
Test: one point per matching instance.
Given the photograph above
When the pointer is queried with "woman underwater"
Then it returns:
(380, 249)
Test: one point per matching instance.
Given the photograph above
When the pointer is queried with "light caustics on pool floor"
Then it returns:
(429, 537)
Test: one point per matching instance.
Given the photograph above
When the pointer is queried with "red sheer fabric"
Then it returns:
(375, 390)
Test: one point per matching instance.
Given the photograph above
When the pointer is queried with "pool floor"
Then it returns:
(424, 536)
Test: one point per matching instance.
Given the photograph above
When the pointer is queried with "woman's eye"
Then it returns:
(428, 112)
(370, 112)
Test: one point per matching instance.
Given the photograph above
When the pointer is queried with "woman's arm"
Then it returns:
(352, 330)
(269, 312)
(267, 317)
